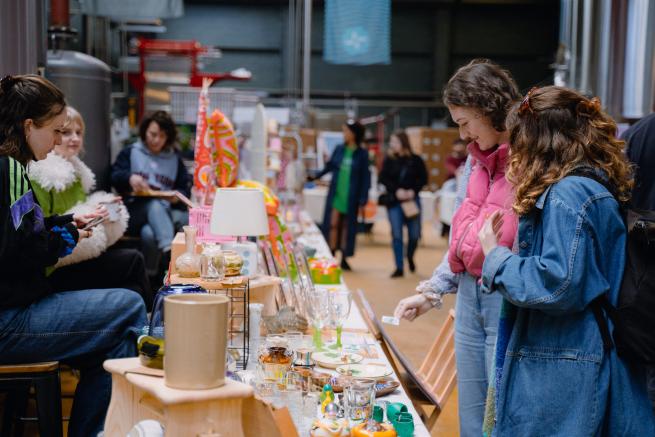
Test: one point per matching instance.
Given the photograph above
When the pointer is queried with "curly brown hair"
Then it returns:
(485, 86)
(554, 131)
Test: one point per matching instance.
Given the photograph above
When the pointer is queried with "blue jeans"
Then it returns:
(476, 326)
(155, 222)
(82, 329)
(650, 375)
(397, 220)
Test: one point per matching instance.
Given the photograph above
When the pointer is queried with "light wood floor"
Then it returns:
(372, 265)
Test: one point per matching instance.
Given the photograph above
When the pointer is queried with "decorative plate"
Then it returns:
(370, 370)
(385, 386)
(332, 360)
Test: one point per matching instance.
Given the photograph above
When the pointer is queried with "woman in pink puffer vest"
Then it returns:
(487, 191)
(478, 97)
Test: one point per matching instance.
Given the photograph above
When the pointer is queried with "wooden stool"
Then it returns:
(45, 379)
(136, 396)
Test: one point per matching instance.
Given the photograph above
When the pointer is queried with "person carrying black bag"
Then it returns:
(640, 139)
(403, 175)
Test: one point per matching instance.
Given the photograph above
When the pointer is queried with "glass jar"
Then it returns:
(233, 263)
(359, 397)
(275, 359)
(212, 263)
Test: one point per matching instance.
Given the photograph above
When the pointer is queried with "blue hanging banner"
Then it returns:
(357, 32)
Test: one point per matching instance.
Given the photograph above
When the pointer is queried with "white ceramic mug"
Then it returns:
(195, 332)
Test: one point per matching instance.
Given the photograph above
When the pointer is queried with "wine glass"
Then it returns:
(318, 309)
(339, 303)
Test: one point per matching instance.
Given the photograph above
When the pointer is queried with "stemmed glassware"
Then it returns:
(303, 285)
(339, 303)
(313, 302)
(318, 309)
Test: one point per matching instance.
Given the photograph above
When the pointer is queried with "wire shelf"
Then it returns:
(238, 319)
(184, 102)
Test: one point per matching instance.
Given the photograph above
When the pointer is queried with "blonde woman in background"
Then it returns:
(63, 184)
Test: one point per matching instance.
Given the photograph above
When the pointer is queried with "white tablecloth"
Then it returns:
(312, 237)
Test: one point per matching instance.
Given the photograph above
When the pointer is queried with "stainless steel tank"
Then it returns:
(86, 82)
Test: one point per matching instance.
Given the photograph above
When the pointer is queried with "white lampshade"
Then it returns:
(239, 212)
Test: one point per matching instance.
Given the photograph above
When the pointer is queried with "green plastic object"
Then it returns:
(393, 408)
(378, 414)
(404, 424)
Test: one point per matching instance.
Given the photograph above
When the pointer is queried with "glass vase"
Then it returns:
(212, 263)
(188, 264)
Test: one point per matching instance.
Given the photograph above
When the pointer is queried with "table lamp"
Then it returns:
(240, 212)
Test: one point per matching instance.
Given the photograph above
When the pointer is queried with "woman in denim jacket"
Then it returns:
(553, 375)
(478, 96)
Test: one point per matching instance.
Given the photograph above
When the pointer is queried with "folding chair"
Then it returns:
(435, 379)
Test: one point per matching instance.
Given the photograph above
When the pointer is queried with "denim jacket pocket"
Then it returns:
(561, 392)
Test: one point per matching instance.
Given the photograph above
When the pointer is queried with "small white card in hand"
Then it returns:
(391, 320)
(113, 209)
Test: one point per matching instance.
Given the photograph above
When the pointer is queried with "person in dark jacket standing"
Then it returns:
(80, 328)
(153, 163)
(640, 139)
(351, 179)
(403, 175)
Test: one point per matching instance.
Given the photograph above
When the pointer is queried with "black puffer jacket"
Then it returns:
(407, 172)
(641, 151)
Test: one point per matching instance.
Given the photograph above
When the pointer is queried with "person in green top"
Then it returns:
(340, 202)
(62, 184)
(351, 180)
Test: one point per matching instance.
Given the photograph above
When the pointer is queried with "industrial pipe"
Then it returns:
(307, 54)
(59, 14)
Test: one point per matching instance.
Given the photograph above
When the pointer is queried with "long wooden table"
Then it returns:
(355, 327)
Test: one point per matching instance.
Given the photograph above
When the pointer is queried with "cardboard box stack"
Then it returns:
(434, 146)
(308, 138)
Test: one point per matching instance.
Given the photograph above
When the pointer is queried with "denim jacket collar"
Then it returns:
(542, 199)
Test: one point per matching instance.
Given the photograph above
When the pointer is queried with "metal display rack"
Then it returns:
(238, 341)
(237, 288)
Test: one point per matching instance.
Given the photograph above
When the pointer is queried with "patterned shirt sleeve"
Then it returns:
(443, 280)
